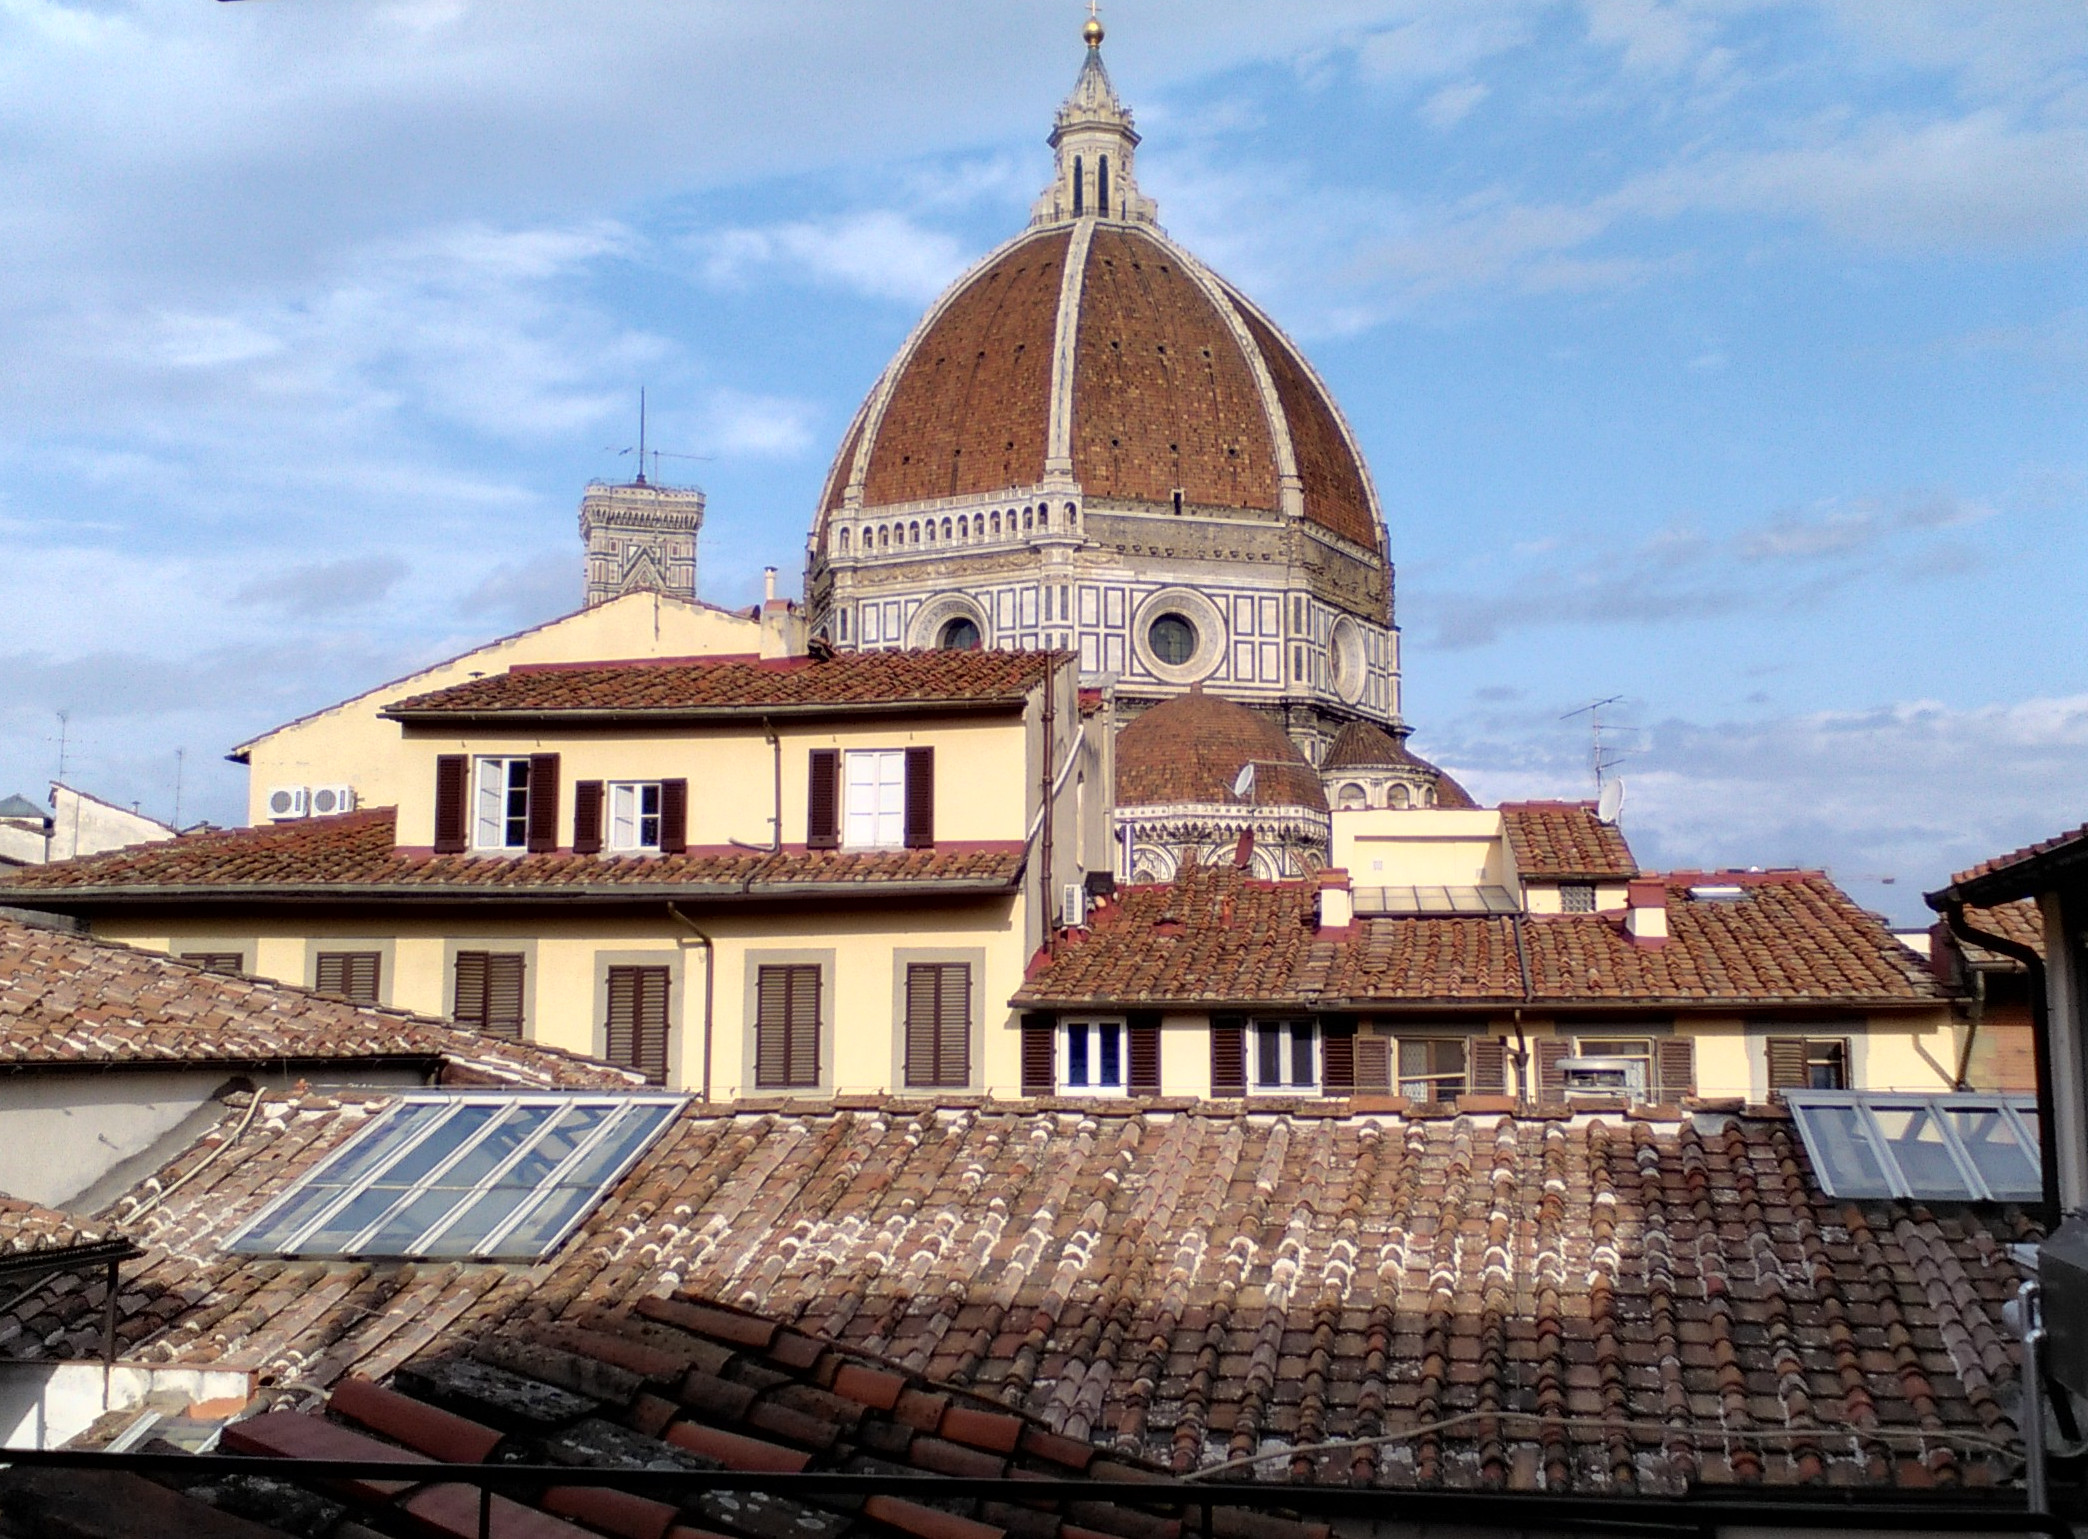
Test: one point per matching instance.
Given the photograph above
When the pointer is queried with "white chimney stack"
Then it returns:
(1337, 901)
(1646, 915)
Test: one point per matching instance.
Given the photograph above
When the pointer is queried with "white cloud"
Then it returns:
(1431, 42)
(1452, 105)
(764, 426)
(1914, 790)
(879, 252)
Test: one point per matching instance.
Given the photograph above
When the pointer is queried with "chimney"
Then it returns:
(1337, 901)
(782, 626)
(1645, 914)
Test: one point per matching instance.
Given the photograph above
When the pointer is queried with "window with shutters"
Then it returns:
(634, 1034)
(354, 975)
(501, 821)
(487, 995)
(1286, 1056)
(634, 814)
(230, 963)
(938, 1024)
(1808, 1063)
(786, 1026)
(873, 798)
(1432, 1068)
(1610, 1066)
(1093, 1058)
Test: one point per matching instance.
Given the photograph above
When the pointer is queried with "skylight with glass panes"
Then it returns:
(463, 1177)
(1959, 1147)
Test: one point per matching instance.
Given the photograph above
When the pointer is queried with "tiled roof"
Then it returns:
(1190, 749)
(2006, 877)
(1565, 841)
(2021, 922)
(1365, 745)
(26, 1229)
(1566, 1304)
(70, 999)
(1214, 936)
(695, 686)
(356, 852)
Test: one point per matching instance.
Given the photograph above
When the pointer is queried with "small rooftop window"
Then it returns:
(1718, 892)
(483, 1176)
(1959, 1147)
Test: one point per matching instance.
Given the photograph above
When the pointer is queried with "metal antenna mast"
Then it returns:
(64, 727)
(180, 763)
(1601, 758)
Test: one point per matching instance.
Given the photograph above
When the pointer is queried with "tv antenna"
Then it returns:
(642, 451)
(1602, 756)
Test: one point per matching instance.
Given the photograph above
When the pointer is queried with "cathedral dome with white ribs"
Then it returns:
(1092, 441)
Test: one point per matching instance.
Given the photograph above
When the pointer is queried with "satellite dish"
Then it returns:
(1611, 803)
(1243, 783)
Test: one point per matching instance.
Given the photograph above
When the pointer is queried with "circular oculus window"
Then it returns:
(1173, 639)
(1351, 665)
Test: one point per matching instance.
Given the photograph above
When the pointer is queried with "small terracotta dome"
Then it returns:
(1191, 749)
(1365, 747)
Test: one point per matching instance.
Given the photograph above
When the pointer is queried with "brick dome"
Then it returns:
(1139, 376)
(1190, 751)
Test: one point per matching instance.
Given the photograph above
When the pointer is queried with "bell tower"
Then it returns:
(1093, 142)
(640, 537)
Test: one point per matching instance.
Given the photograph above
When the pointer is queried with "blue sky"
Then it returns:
(1724, 355)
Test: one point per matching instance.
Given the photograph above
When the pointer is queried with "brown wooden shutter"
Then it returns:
(635, 1034)
(1486, 1064)
(786, 1027)
(1039, 1053)
(823, 800)
(230, 963)
(504, 994)
(1675, 1065)
(938, 1024)
(674, 816)
(1144, 1032)
(1373, 1064)
(452, 802)
(468, 1002)
(351, 974)
(587, 817)
(1786, 1063)
(1228, 1055)
(543, 803)
(1337, 1060)
(1551, 1079)
(920, 798)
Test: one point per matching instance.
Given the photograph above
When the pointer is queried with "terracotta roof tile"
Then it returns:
(1634, 1306)
(2020, 921)
(357, 852)
(1190, 749)
(1563, 841)
(2003, 866)
(67, 998)
(1365, 745)
(1214, 936)
(29, 1229)
(699, 685)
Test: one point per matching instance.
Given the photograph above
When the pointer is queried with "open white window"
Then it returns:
(502, 801)
(1093, 1057)
(634, 814)
(874, 798)
(1286, 1056)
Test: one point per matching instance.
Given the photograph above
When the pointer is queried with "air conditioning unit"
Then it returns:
(287, 802)
(1073, 904)
(328, 800)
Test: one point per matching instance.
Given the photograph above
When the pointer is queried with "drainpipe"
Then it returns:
(1522, 1043)
(775, 822)
(1049, 792)
(2040, 1027)
(710, 979)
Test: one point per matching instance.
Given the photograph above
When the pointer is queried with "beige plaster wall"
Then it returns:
(350, 744)
(731, 770)
(568, 954)
(1380, 847)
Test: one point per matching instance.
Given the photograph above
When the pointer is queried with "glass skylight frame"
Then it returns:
(414, 1126)
(1827, 1119)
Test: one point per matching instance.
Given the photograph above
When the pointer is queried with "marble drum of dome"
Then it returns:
(1093, 442)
